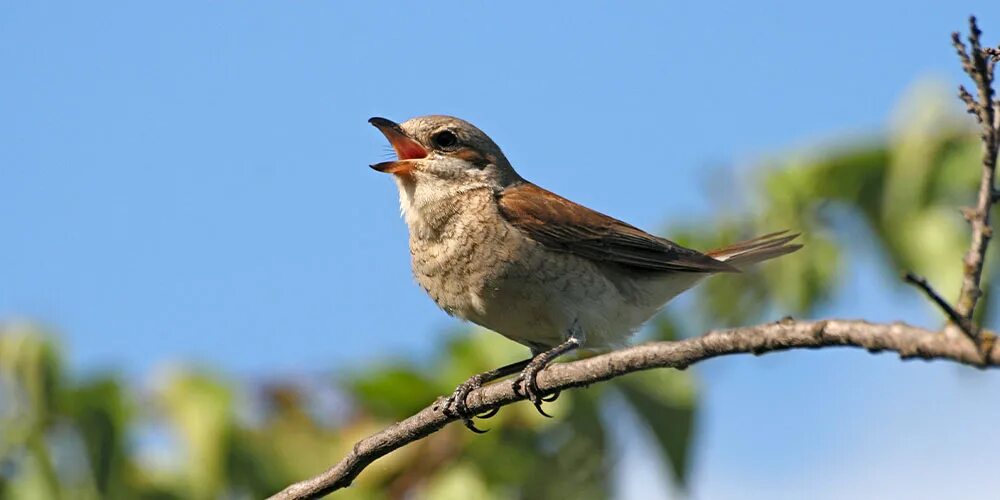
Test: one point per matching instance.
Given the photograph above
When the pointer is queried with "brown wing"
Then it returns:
(564, 226)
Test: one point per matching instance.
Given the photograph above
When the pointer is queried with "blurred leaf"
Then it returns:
(99, 410)
(36, 476)
(664, 401)
(475, 351)
(393, 392)
(665, 327)
(573, 454)
(456, 483)
(30, 371)
(200, 409)
(30, 376)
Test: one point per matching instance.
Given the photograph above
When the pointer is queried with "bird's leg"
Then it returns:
(527, 381)
(455, 404)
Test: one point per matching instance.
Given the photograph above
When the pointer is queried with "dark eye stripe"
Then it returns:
(472, 156)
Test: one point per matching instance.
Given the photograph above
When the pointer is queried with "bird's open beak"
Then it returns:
(406, 148)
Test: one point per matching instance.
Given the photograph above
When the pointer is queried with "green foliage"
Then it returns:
(101, 412)
(220, 454)
(29, 378)
(899, 196)
(70, 437)
(666, 404)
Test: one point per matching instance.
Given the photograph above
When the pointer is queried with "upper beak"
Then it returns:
(405, 147)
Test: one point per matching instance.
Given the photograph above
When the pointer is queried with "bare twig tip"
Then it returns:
(963, 323)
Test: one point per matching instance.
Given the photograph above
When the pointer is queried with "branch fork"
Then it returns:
(979, 63)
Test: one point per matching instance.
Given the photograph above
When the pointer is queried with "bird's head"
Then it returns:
(443, 151)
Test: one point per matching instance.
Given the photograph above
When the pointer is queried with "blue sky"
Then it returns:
(189, 181)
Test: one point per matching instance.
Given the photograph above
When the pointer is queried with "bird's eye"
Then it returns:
(445, 139)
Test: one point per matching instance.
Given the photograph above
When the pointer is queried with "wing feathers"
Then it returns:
(565, 226)
(756, 250)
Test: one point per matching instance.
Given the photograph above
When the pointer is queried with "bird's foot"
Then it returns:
(527, 381)
(455, 405)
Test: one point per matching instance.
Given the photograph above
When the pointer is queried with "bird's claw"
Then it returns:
(488, 413)
(455, 405)
(527, 383)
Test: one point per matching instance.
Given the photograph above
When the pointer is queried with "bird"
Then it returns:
(494, 249)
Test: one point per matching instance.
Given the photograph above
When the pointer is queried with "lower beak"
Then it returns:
(405, 147)
(399, 167)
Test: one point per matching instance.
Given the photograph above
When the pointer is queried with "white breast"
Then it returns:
(476, 266)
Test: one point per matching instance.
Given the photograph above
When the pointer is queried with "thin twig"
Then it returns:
(971, 106)
(967, 326)
(979, 65)
(908, 341)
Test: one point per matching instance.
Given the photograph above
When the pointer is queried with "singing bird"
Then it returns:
(492, 248)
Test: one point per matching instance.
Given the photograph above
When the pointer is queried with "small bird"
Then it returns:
(492, 248)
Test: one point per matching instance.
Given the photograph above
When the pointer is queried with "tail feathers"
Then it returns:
(759, 249)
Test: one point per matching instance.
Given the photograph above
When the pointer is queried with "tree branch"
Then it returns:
(979, 64)
(908, 341)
